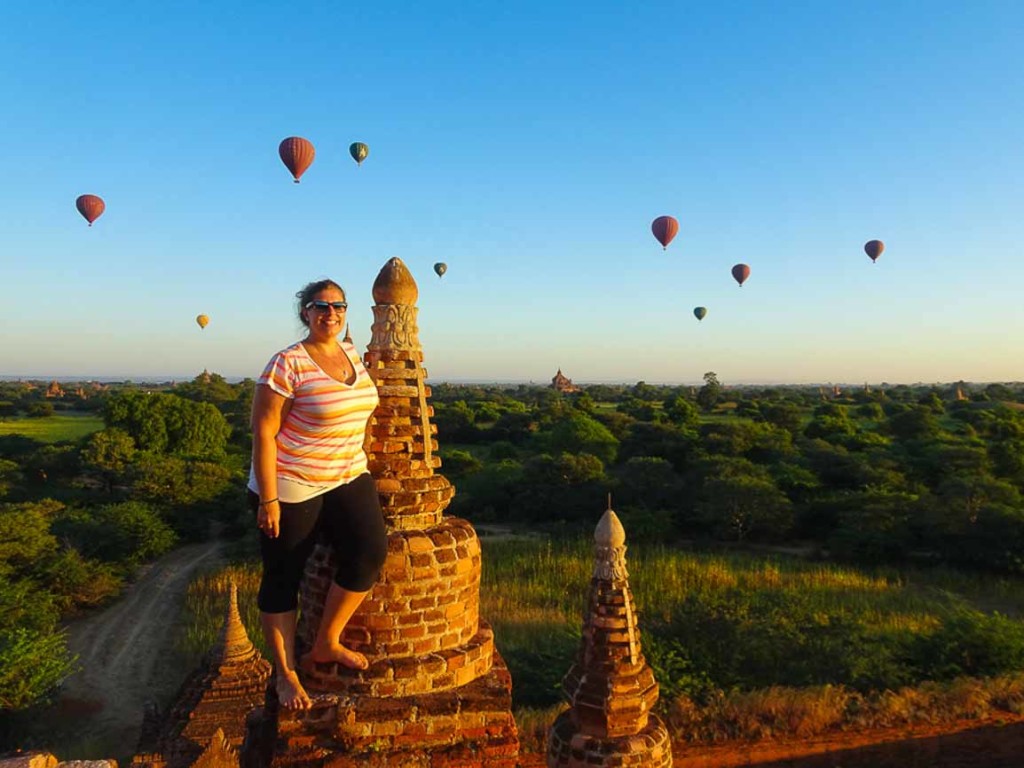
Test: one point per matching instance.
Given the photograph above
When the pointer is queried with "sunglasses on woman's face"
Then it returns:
(325, 306)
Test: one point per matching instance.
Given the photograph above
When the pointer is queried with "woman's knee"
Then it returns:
(360, 568)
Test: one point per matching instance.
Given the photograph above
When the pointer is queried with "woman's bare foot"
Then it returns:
(337, 653)
(290, 692)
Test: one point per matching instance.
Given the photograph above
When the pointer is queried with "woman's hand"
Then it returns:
(268, 518)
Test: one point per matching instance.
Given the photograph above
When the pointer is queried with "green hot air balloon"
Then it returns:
(700, 312)
(440, 268)
(359, 152)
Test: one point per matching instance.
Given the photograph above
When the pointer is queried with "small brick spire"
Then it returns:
(611, 688)
(209, 712)
(233, 645)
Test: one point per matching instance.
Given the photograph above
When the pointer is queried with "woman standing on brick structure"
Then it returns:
(310, 410)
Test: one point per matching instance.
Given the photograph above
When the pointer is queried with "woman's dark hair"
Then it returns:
(312, 289)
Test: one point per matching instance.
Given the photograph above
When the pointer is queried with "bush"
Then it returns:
(971, 643)
(127, 534)
(32, 665)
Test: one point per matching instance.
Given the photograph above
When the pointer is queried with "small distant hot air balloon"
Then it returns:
(664, 229)
(359, 151)
(440, 268)
(203, 320)
(700, 312)
(874, 248)
(741, 272)
(297, 154)
(90, 206)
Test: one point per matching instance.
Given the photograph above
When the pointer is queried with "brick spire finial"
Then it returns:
(400, 437)
(611, 688)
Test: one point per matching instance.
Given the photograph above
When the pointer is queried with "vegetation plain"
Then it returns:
(66, 426)
(794, 550)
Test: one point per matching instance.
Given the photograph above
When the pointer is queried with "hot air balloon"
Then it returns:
(359, 151)
(741, 272)
(874, 248)
(297, 154)
(700, 312)
(203, 320)
(90, 206)
(664, 229)
(440, 268)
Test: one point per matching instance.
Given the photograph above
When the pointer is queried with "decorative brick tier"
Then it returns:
(427, 599)
(650, 748)
(420, 627)
(464, 727)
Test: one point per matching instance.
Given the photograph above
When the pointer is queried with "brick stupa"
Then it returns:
(436, 693)
(212, 703)
(611, 688)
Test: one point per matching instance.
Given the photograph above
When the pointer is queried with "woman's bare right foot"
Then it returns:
(336, 653)
(290, 692)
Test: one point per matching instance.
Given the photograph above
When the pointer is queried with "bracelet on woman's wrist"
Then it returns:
(271, 501)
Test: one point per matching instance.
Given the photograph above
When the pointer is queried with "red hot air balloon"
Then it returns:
(297, 154)
(874, 248)
(741, 272)
(664, 229)
(90, 206)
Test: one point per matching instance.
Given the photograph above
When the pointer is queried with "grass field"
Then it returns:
(743, 646)
(67, 425)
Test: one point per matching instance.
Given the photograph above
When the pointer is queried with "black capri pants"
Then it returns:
(351, 518)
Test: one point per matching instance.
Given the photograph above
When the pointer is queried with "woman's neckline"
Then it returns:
(341, 346)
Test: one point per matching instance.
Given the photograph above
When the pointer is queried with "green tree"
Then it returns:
(10, 476)
(677, 446)
(128, 533)
(455, 422)
(710, 393)
(681, 412)
(578, 433)
(25, 538)
(647, 482)
(109, 454)
(514, 427)
(458, 464)
(873, 525)
(39, 410)
(582, 401)
(741, 506)
(166, 423)
(830, 422)
(784, 415)
(570, 486)
(915, 423)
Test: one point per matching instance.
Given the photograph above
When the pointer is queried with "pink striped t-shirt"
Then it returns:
(320, 443)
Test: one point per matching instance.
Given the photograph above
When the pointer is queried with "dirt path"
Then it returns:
(120, 651)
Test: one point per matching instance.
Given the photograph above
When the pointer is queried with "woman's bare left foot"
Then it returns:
(337, 653)
(290, 692)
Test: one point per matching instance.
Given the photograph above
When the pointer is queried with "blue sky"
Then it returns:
(528, 145)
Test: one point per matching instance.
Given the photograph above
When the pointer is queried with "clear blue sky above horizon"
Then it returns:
(527, 145)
